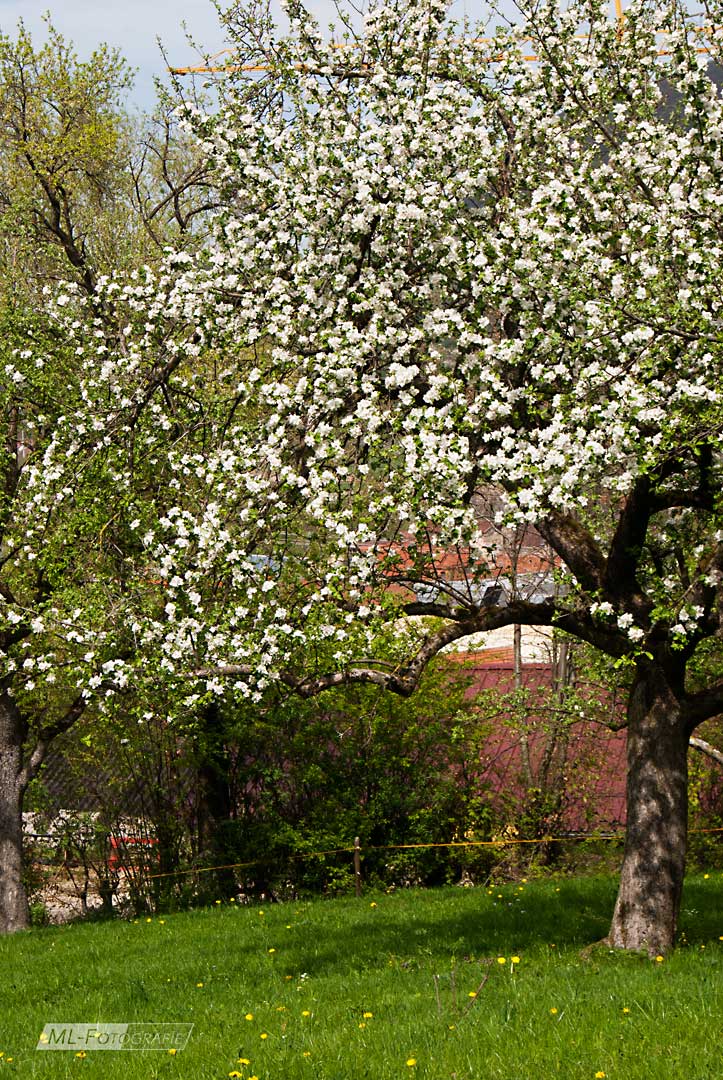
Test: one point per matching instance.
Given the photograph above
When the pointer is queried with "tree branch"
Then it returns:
(706, 748)
(569, 539)
(705, 704)
(405, 679)
(627, 543)
(47, 734)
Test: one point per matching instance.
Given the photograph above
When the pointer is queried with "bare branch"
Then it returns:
(46, 736)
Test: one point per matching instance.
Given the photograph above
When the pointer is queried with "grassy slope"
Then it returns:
(336, 960)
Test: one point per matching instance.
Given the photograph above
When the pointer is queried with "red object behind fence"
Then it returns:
(119, 851)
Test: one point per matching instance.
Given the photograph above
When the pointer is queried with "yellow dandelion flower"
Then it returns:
(232, 899)
(626, 1009)
(218, 901)
(306, 1012)
(199, 984)
(472, 994)
(373, 904)
(263, 1035)
(261, 913)
(600, 1075)
(515, 959)
(80, 1054)
(367, 1015)
(553, 1011)
(501, 960)
(149, 920)
(411, 1062)
(362, 1025)
(243, 1061)
(659, 959)
(452, 1027)
(281, 1008)
(172, 1052)
(272, 950)
(249, 1016)
(705, 877)
(306, 1053)
(253, 1078)
(162, 922)
(288, 977)
(235, 1073)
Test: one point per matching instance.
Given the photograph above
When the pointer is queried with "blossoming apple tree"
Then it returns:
(445, 279)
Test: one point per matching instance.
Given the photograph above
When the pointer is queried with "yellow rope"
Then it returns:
(409, 847)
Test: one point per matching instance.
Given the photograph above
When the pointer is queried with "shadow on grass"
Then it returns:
(411, 929)
(419, 928)
(701, 912)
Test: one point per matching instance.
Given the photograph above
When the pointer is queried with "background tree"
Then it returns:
(87, 188)
(79, 202)
(64, 136)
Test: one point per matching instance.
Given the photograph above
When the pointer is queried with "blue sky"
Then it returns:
(133, 26)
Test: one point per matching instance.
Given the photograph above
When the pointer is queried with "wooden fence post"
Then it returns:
(357, 866)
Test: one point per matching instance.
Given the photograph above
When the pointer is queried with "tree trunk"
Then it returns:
(14, 910)
(651, 880)
(215, 807)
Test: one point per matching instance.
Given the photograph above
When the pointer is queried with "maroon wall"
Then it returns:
(595, 760)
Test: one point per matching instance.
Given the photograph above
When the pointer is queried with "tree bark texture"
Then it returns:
(651, 880)
(14, 910)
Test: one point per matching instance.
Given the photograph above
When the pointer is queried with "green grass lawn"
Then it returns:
(408, 985)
